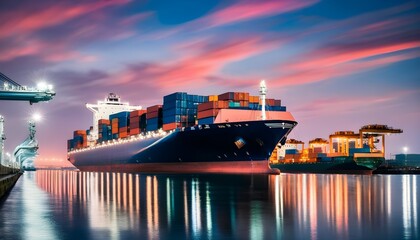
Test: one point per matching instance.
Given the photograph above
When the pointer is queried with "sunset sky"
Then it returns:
(336, 65)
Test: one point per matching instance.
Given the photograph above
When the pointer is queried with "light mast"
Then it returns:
(263, 92)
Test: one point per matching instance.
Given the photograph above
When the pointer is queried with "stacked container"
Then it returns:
(104, 130)
(79, 139)
(154, 118)
(180, 110)
(135, 121)
(119, 124)
(208, 111)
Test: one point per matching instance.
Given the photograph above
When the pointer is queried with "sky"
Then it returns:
(336, 65)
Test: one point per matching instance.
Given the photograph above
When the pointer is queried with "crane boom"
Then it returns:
(12, 90)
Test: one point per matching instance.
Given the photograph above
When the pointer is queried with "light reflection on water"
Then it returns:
(86, 205)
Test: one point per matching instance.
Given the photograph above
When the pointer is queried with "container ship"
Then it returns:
(345, 152)
(228, 133)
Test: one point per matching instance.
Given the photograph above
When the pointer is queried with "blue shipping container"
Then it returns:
(291, 151)
(151, 127)
(209, 120)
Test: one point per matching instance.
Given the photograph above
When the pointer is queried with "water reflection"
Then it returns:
(300, 206)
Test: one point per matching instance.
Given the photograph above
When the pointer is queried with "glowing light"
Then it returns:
(405, 150)
(42, 86)
(36, 117)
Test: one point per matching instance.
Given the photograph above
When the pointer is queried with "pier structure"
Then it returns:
(13, 91)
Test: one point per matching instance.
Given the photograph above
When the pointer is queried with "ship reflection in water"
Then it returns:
(84, 205)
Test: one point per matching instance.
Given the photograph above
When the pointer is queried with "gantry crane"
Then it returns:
(12, 90)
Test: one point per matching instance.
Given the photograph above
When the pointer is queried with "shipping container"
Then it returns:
(134, 131)
(208, 120)
(172, 119)
(104, 122)
(154, 108)
(153, 121)
(171, 126)
(234, 104)
(122, 130)
(114, 128)
(151, 127)
(212, 105)
(137, 113)
(291, 151)
(213, 98)
(175, 96)
(123, 135)
(208, 113)
(79, 133)
(227, 96)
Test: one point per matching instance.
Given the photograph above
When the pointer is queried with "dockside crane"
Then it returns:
(11, 90)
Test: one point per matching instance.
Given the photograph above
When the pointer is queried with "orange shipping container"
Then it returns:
(123, 135)
(114, 121)
(79, 133)
(103, 122)
(171, 126)
(122, 129)
(208, 113)
(244, 103)
(114, 128)
(134, 131)
(254, 99)
(213, 98)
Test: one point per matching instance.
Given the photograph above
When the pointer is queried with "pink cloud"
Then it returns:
(249, 10)
(325, 57)
(27, 21)
(315, 73)
(195, 68)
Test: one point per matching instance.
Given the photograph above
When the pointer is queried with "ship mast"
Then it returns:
(263, 92)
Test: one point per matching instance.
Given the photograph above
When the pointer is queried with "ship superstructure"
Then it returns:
(103, 109)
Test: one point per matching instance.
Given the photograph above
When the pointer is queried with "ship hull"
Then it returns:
(241, 147)
(334, 167)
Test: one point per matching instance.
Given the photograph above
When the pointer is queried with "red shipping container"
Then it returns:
(79, 133)
(269, 101)
(171, 126)
(277, 102)
(207, 113)
(226, 96)
(137, 113)
(152, 115)
(154, 108)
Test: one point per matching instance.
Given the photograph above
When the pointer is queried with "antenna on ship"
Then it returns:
(263, 92)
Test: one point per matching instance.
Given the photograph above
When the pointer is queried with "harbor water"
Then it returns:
(50, 204)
